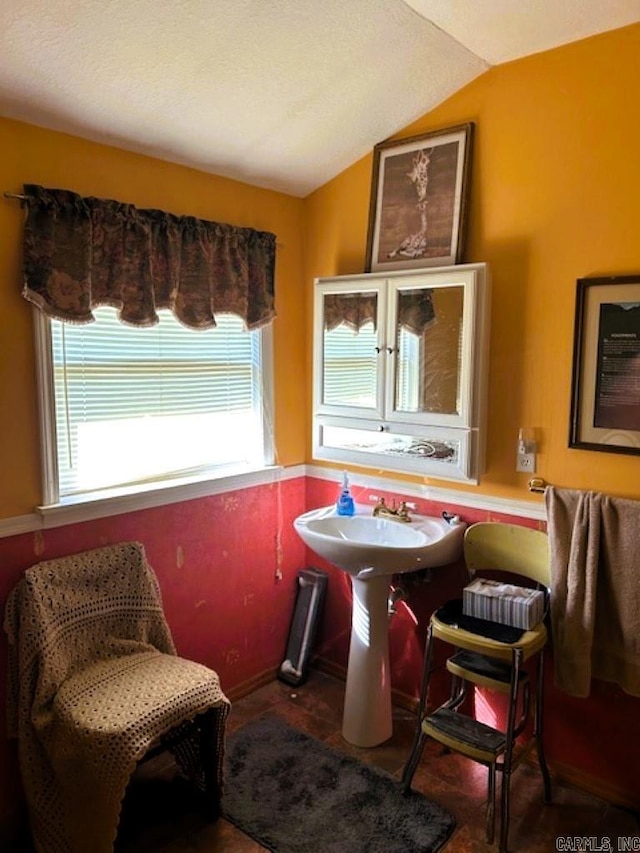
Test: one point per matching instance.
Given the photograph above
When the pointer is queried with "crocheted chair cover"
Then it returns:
(94, 683)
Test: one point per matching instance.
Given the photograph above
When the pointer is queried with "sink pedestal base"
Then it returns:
(367, 706)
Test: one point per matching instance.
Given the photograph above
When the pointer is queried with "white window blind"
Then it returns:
(350, 365)
(408, 372)
(135, 405)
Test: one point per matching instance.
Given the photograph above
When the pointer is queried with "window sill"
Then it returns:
(117, 501)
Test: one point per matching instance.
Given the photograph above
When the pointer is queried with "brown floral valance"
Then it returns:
(415, 310)
(352, 309)
(83, 252)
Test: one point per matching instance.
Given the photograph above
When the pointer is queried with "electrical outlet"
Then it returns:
(526, 463)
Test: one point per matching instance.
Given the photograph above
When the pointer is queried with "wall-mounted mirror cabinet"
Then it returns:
(400, 363)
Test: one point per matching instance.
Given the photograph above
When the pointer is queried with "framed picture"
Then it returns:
(605, 394)
(418, 200)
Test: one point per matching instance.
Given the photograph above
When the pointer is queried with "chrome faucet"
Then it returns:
(399, 513)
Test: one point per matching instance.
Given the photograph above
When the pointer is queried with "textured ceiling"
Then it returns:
(282, 94)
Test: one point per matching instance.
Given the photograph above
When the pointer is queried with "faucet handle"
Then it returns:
(380, 505)
(403, 510)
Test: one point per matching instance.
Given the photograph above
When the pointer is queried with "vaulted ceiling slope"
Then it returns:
(282, 94)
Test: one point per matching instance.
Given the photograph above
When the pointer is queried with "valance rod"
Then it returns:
(22, 197)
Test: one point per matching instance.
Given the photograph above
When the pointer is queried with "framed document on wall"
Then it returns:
(605, 396)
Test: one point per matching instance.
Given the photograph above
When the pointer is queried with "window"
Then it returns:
(125, 406)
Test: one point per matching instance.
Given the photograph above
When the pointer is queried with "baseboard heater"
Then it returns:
(312, 585)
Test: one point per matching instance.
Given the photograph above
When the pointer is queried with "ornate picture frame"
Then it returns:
(419, 200)
(605, 391)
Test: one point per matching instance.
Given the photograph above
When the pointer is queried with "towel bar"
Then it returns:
(537, 484)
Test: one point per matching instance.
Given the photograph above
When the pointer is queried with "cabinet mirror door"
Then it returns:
(351, 351)
(428, 347)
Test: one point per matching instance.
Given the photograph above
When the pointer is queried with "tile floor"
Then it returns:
(160, 818)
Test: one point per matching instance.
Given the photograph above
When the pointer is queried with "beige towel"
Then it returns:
(595, 590)
(616, 647)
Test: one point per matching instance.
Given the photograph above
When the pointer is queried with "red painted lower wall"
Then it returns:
(218, 560)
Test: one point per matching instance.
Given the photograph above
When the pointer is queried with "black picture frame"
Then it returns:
(605, 387)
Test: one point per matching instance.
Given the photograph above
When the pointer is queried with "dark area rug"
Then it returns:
(293, 794)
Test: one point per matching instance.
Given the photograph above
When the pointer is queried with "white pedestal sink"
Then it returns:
(370, 550)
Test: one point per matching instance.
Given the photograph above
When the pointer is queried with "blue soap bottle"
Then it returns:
(344, 504)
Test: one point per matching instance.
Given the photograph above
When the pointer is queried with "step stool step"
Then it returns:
(485, 668)
(464, 734)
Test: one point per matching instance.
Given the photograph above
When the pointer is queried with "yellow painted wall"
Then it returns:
(554, 193)
(33, 155)
(554, 197)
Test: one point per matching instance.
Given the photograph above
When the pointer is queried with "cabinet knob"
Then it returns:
(381, 428)
(392, 350)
